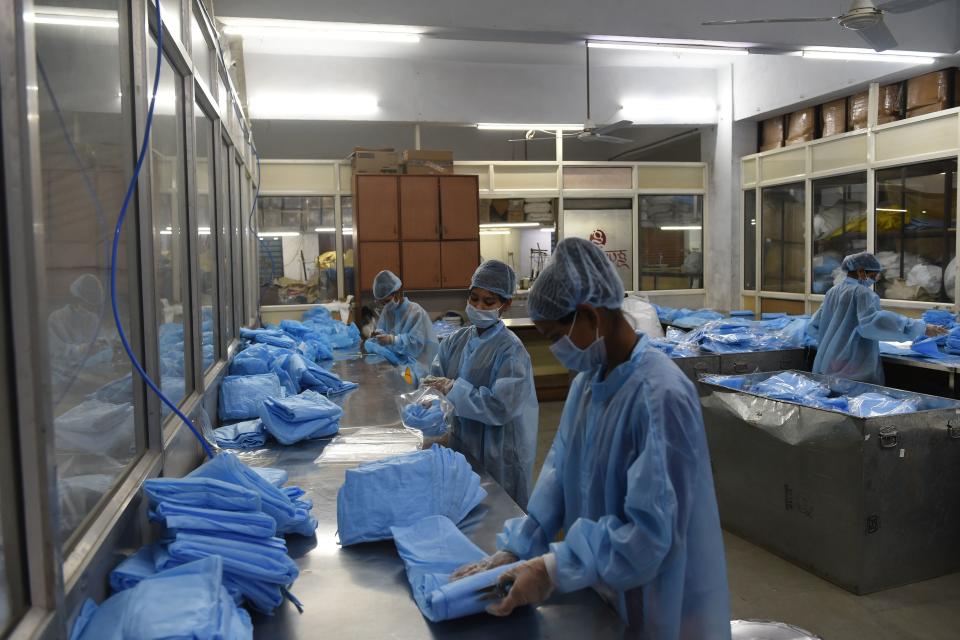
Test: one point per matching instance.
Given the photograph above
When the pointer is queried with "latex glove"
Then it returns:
(443, 385)
(934, 330)
(385, 339)
(531, 584)
(498, 559)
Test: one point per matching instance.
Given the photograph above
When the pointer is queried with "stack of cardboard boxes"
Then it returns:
(424, 162)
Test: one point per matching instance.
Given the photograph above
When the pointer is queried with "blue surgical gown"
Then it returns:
(494, 402)
(412, 330)
(628, 480)
(850, 325)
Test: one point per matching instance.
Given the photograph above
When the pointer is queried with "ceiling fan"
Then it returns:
(864, 18)
(591, 132)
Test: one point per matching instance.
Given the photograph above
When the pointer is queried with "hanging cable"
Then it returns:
(131, 188)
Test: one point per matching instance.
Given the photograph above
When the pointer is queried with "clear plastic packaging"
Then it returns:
(426, 410)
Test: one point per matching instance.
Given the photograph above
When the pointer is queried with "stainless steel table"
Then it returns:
(362, 591)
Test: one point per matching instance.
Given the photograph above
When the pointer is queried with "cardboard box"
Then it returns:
(428, 162)
(368, 161)
(801, 126)
(771, 134)
(931, 92)
(515, 204)
(515, 216)
(857, 106)
(891, 103)
(833, 117)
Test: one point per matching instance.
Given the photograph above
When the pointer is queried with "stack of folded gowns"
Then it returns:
(335, 333)
(402, 490)
(426, 417)
(940, 317)
(249, 434)
(186, 601)
(272, 337)
(241, 396)
(295, 371)
(306, 416)
(431, 550)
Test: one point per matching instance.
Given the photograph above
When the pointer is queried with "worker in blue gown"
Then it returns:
(850, 324)
(404, 326)
(486, 374)
(628, 477)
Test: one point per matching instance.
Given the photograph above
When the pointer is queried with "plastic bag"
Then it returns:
(926, 276)
(241, 396)
(642, 316)
(426, 410)
(869, 405)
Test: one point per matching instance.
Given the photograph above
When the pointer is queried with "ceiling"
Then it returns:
(933, 28)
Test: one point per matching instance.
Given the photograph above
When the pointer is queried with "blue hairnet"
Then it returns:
(497, 277)
(385, 283)
(578, 273)
(863, 260)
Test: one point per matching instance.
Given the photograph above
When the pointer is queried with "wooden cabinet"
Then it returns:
(459, 259)
(374, 258)
(419, 208)
(376, 203)
(421, 265)
(459, 209)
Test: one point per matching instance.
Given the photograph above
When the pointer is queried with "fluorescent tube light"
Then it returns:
(332, 229)
(508, 225)
(687, 227)
(166, 232)
(655, 110)
(315, 105)
(70, 17)
(495, 232)
(868, 57)
(893, 210)
(203, 231)
(669, 48)
(548, 230)
(286, 30)
(507, 126)
(278, 234)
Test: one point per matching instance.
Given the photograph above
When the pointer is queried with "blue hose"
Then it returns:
(131, 188)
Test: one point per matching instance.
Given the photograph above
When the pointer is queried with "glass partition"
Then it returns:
(346, 213)
(519, 232)
(671, 242)
(839, 226)
(170, 14)
(84, 164)
(206, 237)
(782, 208)
(226, 255)
(608, 223)
(200, 51)
(916, 223)
(750, 240)
(169, 247)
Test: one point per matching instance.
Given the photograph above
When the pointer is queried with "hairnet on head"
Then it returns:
(863, 260)
(88, 288)
(578, 273)
(497, 277)
(385, 283)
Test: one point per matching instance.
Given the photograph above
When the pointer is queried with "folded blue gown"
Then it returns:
(276, 477)
(272, 337)
(292, 516)
(428, 419)
(249, 434)
(301, 417)
(404, 489)
(240, 396)
(256, 524)
(189, 601)
(431, 550)
(133, 569)
(373, 347)
(870, 405)
(206, 492)
(309, 375)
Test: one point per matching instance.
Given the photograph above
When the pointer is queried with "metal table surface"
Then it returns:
(362, 591)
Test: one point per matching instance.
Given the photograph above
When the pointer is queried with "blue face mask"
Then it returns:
(482, 318)
(576, 359)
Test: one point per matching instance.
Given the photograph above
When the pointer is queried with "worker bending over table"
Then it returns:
(404, 326)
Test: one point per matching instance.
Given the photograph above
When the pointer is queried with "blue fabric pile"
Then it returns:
(241, 396)
(427, 418)
(431, 550)
(249, 434)
(870, 405)
(335, 333)
(737, 335)
(269, 336)
(402, 490)
(186, 601)
(306, 416)
(953, 341)
(309, 375)
(371, 346)
(695, 319)
(940, 317)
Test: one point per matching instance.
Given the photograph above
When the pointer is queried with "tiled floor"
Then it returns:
(763, 586)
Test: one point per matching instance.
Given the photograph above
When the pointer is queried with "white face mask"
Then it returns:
(483, 318)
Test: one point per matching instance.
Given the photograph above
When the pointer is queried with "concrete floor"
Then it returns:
(763, 586)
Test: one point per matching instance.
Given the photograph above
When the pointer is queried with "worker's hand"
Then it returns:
(934, 330)
(443, 385)
(498, 559)
(385, 339)
(531, 584)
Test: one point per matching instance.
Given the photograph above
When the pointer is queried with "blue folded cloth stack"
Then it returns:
(241, 435)
(272, 337)
(305, 416)
(241, 396)
(427, 418)
(940, 317)
(309, 375)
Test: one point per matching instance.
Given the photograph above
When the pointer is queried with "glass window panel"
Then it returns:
(223, 97)
(206, 237)
(84, 142)
(783, 259)
(238, 301)
(523, 248)
(750, 240)
(671, 242)
(170, 259)
(346, 213)
(916, 223)
(839, 226)
(200, 51)
(300, 266)
(226, 248)
(170, 14)
(606, 222)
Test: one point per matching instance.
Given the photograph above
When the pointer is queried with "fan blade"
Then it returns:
(905, 6)
(610, 128)
(594, 137)
(529, 139)
(879, 37)
(766, 21)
